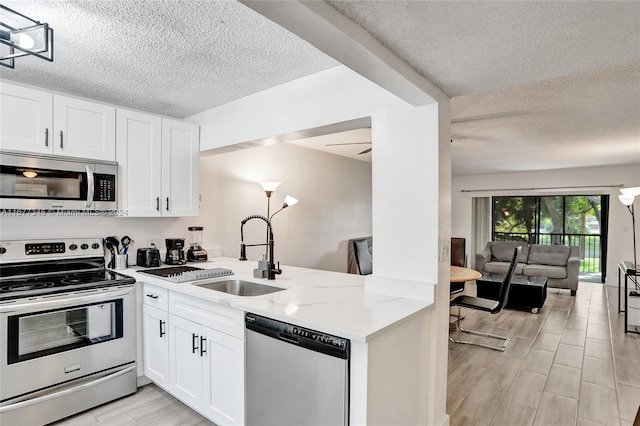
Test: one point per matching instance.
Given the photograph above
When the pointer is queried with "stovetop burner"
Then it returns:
(17, 287)
(26, 285)
(89, 277)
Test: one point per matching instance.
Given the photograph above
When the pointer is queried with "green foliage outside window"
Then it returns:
(564, 220)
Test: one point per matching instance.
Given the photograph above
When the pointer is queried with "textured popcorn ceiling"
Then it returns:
(535, 84)
(175, 58)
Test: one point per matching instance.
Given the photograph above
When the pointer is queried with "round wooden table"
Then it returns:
(460, 274)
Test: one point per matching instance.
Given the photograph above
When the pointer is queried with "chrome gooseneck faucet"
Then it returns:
(271, 269)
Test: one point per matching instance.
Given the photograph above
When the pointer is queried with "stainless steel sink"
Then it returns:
(240, 288)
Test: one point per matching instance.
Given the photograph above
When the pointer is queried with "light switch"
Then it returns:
(445, 248)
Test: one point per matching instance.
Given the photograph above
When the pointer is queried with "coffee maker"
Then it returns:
(175, 251)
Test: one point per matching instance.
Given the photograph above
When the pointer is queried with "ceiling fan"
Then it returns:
(353, 143)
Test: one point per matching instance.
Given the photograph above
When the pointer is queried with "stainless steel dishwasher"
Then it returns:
(294, 375)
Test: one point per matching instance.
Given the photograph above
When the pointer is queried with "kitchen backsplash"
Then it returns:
(67, 224)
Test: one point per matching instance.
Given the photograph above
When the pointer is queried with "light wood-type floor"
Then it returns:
(571, 364)
(150, 406)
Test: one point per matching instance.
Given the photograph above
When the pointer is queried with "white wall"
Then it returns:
(620, 238)
(54, 226)
(334, 196)
(410, 214)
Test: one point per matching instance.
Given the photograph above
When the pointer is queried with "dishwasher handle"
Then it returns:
(289, 338)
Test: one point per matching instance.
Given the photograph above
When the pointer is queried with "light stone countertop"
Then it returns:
(331, 302)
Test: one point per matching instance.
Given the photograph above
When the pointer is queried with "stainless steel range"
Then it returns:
(67, 330)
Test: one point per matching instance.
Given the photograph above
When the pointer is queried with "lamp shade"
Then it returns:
(270, 185)
(627, 200)
(289, 201)
(632, 191)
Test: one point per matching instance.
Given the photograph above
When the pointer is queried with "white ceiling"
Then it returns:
(533, 84)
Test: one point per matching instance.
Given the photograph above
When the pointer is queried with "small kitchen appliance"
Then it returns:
(148, 257)
(63, 313)
(196, 253)
(45, 182)
(175, 251)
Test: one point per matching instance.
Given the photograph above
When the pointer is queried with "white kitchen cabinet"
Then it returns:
(180, 168)
(156, 345)
(39, 122)
(207, 371)
(159, 166)
(200, 359)
(186, 361)
(84, 129)
(139, 156)
(26, 119)
(154, 340)
(224, 378)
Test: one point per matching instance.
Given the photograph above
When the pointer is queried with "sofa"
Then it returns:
(560, 264)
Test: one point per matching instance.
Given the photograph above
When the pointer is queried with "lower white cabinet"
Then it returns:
(200, 365)
(224, 378)
(156, 345)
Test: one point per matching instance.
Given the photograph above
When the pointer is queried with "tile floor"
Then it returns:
(571, 364)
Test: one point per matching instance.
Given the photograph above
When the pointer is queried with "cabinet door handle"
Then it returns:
(194, 343)
(157, 203)
(203, 346)
(162, 332)
(61, 140)
(153, 296)
(46, 137)
(167, 203)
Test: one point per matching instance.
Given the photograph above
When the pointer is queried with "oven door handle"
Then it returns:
(68, 301)
(75, 389)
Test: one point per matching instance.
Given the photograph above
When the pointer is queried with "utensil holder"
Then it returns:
(122, 261)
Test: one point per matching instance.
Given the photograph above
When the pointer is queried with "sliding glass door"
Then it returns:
(572, 220)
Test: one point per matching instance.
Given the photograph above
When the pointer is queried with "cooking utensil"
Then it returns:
(109, 245)
(126, 241)
(116, 244)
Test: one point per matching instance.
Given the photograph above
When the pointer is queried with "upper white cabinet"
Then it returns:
(180, 168)
(139, 156)
(26, 119)
(84, 129)
(159, 166)
(39, 122)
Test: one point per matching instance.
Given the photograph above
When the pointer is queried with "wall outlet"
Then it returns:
(445, 249)
(157, 241)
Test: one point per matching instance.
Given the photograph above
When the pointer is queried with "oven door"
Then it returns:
(62, 338)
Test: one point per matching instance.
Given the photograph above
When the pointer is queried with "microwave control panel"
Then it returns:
(105, 187)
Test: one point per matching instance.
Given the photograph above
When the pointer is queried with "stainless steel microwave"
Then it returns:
(45, 182)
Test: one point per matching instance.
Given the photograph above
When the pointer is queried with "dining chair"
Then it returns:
(458, 258)
(486, 305)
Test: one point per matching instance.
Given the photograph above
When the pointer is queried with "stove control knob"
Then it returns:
(73, 247)
(3, 250)
(84, 246)
(95, 246)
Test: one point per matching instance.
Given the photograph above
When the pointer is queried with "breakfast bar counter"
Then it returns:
(331, 302)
